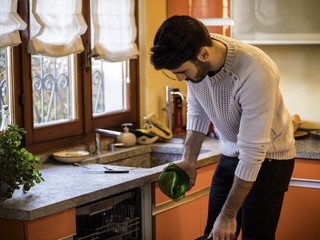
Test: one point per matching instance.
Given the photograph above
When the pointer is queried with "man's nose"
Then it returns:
(181, 76)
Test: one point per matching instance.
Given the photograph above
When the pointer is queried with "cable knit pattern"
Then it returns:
(244, 102)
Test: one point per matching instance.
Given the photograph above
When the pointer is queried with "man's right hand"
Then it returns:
(190, 169)
(191, 150)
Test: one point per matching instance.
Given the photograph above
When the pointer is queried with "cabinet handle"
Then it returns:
(217, 21)
(307, 183)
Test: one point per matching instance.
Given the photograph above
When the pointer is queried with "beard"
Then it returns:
(202, 71)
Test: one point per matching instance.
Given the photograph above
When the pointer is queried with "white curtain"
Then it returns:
(10, 24)
(60, 26)
(114, 30)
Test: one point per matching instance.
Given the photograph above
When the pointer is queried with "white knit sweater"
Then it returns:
(244, 102)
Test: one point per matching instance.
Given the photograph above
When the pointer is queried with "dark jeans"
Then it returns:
(260, 212)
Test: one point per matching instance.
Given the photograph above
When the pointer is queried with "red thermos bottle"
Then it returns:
(177, 114)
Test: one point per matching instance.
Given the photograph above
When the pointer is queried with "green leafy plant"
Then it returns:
(17, 165)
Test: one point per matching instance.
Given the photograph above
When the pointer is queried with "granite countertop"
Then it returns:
(308, 147)
(67, 186)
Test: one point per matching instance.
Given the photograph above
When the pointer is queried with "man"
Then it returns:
(235, 86)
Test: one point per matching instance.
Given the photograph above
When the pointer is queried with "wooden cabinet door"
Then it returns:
(199, 8)
(187, 221)
(300, 215)
(56, 226)
(307, 169)
(202, 9)
(180, 223)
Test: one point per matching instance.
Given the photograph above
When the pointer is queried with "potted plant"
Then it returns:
(17, 165)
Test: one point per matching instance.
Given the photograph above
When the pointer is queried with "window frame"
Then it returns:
(79, 131)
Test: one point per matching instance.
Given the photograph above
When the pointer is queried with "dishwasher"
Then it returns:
(113, 218)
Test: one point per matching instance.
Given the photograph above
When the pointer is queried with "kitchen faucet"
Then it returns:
(170, 92)
(109, 133)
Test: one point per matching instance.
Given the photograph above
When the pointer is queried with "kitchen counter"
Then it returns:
(68, 186)
(308, 147)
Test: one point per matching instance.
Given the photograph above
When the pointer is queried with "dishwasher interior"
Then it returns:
(113, 218)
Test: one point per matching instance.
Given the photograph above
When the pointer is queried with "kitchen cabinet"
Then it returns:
(300, 215)
(256, 21)
(57, 226)
(276, 22)
(215, 14)
(185, 219)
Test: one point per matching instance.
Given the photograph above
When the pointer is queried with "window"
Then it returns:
(113, 34)
(10, 25)
(109, 86)
(61, 100)
(53, 78)
(5, 79)
(53, 89)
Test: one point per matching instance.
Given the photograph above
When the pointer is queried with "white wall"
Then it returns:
(299, 67)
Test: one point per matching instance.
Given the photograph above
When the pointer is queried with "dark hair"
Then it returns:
(177, 41)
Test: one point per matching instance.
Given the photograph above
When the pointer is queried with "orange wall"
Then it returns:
(153, 83)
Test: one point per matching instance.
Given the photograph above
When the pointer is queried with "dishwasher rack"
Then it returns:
(126, 230)
(116, 217)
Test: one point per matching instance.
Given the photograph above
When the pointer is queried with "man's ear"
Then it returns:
(203, 54)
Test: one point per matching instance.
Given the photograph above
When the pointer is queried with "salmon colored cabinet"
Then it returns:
(185, 219)
(306, 169)
(203, 9)
(57, 226)
(300, 215)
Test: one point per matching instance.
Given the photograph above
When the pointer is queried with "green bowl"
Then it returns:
(174, 182)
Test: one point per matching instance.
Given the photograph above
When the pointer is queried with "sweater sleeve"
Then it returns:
(197, 119)
(257, 99)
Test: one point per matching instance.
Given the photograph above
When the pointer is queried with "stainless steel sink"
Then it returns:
(148, 160)
(151, 159)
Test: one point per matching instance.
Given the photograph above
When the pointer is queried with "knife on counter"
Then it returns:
(107, 171)
(116, 171)
(110, 170)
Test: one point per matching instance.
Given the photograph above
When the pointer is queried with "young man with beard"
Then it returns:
(236, 86)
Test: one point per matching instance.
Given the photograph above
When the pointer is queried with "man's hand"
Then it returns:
(190, 169)
(223, 228)
(225, 224)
